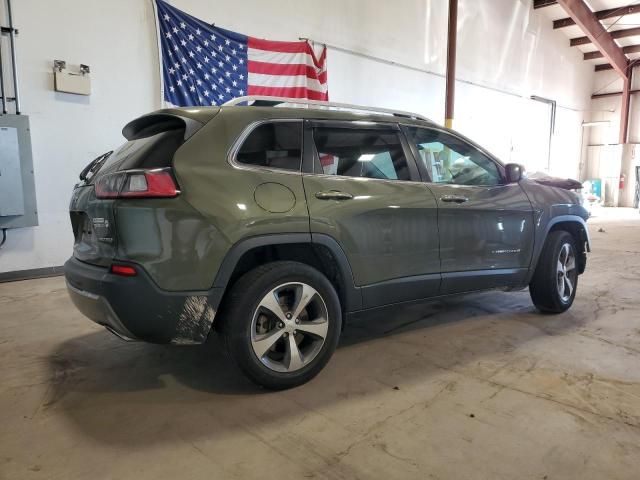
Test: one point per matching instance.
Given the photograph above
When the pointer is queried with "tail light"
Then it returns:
(157, 183)
(124, 270)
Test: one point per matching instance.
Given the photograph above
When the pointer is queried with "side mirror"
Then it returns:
(513, 172)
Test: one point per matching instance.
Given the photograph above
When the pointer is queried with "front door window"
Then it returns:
(449, 160)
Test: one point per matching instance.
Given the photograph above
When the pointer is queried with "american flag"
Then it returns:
(207, 65)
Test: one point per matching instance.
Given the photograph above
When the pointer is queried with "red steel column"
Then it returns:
(624, 110)
(451, 64)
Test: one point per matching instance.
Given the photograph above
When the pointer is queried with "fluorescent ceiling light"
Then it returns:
(596, 124)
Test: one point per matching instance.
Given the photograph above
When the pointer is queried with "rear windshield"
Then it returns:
(155, 151)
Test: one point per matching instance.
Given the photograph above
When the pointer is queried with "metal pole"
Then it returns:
(451, 64)
(624, 109)
(14, 65)
(2, 89)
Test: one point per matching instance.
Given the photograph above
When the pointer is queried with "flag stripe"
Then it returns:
(275, 46)
(287, 69)
(288, 47)
(268, 56)
(289, 92)
(262, 80)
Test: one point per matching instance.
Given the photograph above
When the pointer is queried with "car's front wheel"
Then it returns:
(281, 323)
(555, 281)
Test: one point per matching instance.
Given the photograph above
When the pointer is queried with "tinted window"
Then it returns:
(361, 153)
(451, 160)
(155, 151)
(273, 145)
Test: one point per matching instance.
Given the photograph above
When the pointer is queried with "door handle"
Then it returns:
(454, 199)
(333, 195)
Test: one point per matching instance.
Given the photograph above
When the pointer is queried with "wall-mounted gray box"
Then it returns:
(17, 186)
(11, 192)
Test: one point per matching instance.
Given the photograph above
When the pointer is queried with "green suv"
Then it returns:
(270, 224)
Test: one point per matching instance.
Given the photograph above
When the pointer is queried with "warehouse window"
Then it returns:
(449, 159)
(369, 153)
(273, 145)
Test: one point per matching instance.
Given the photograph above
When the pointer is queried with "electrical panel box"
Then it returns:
(17, 186)
(11, 193)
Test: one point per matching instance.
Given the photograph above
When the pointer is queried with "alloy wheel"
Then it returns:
(289, 327)
(566, 273)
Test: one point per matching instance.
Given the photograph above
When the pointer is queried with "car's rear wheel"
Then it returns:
(281, 323)
(555, 281)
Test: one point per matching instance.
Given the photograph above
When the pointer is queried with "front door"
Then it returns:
(485, 225)
(365, 192)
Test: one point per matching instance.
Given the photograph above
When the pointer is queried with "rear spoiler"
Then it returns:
(189, 120)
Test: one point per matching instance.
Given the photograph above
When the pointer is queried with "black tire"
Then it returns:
(237, 324)
(544, 287)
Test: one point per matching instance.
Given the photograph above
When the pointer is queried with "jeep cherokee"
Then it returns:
(270, 224)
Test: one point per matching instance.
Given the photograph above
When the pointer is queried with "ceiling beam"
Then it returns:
(606, 66)
(603, 67)
(627, 32)
(601, 15)
(543, 3)
(601, 39)
(629, 49)
(596, 96)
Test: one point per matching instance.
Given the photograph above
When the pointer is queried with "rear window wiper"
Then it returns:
(94, 166)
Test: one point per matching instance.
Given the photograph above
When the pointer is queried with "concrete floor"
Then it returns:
(475, 387)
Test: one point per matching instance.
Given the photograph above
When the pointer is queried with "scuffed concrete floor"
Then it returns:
(480, 386)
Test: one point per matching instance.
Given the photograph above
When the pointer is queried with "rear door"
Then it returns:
(364, 191)
(486, 226)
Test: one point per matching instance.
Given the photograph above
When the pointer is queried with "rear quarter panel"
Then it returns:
(173, 242)
(224, 196)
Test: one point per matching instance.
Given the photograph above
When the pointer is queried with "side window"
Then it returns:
(450, 160)
(368, 153)
(273, 145)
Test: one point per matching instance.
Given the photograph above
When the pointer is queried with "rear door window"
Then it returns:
(273, 145)
(367, 153)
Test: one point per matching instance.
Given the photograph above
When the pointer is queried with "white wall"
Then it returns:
(506, 53)
(116, 38)
(608, 109)
(605, 109)
(606, 159)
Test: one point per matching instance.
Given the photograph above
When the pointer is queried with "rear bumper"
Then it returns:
(134, 308)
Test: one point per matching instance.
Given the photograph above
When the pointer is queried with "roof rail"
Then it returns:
(264, 101)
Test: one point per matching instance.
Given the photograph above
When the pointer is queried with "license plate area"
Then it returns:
(93, 227)
(78, 221)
